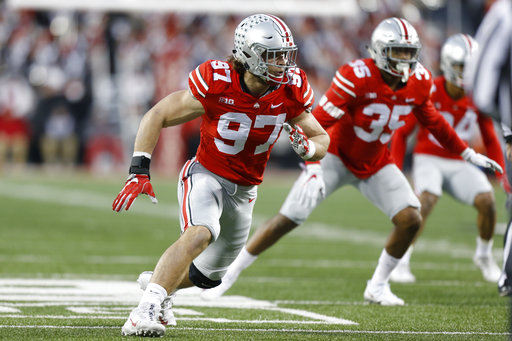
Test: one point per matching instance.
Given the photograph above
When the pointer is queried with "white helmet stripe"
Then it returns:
(467, 41)
(403, 28)
(285, 31)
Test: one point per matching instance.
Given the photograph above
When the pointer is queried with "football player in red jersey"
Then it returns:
(367, 101)
(436, 169)
(244, 103)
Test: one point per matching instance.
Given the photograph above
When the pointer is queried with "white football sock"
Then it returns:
(483, 247)
(384, 267)
(242, 262)
(154, 293)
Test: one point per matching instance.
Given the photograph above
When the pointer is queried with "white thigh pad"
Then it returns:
(389, 190)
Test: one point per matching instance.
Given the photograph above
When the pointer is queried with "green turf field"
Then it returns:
(68, 266)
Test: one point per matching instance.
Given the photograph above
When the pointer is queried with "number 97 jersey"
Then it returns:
(239, 130)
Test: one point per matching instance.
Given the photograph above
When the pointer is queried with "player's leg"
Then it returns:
(171, 269)
(199, 196)
(390, 191)
(505, 280)
(470, 185)
(428, 180)
(292, 214)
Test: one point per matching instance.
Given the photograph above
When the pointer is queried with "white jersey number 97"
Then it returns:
(240, 135)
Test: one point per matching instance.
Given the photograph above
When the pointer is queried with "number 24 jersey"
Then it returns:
(239, 130)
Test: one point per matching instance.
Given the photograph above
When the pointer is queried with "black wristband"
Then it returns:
(508, 138)
(140, 165)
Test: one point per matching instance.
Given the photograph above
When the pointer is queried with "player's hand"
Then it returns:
(135, 184)
(300, 143)
(480, 160)
(313, 187)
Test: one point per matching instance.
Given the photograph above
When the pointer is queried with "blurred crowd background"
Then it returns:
(74, 84)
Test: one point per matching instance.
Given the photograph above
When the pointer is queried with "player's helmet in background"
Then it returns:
(260, 40)
(457, 49)
(390, 34)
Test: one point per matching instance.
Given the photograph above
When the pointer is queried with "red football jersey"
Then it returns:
(239, 130)
(360, 112)
(462, 116)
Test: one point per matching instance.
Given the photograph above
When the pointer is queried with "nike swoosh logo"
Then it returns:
(272, 106)
(408, 100)
(252, 199)
(133, 324)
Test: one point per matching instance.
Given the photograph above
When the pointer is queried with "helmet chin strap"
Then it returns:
(404, 69)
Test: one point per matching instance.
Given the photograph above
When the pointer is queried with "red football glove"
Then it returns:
(135, 184)
(299, 141)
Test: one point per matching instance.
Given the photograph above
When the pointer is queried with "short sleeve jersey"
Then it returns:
(360, 112)
(239, 130)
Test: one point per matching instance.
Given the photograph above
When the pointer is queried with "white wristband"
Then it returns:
(142, 154)
(311, 152)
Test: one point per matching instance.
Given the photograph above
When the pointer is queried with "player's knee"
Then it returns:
(484, 202)
(200, 280)
(408, 219)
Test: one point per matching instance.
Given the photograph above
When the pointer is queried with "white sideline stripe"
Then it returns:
(100, 291)
(207, 319)
(337, 331)
(327, 319)
(311, 230)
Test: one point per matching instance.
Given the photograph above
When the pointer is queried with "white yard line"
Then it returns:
(124, 292)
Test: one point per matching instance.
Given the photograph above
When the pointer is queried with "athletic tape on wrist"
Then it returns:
(311, 152)
(140, 164)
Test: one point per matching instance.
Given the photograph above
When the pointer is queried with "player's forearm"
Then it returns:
(321, 144)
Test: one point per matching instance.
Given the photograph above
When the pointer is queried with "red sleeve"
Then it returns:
(491, 142)
(198, 80)
(431, 119)
(333, 105)
(399, 140)
(305, 93)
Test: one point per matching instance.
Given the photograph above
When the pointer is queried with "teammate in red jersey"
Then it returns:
(368, 99)
(244, 103)
(436, 168)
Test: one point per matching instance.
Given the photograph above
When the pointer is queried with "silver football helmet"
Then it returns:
(392, 37)
(455, 52)
(264, 45)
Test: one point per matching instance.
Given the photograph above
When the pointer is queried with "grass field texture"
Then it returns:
(68, 266)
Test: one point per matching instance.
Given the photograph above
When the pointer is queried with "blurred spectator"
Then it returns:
(59, 143)
(16, 100)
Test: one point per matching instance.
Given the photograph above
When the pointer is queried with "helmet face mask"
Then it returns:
(455, 52)
(395, 47)
(264, 45)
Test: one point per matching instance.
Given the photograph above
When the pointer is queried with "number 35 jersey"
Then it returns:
(239, 130)
(360, 112)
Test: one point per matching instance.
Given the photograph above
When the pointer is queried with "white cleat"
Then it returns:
(165, 315)
(402, 274)
(143, 321)
(218, 291)
(489, 268)
(381, 294)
